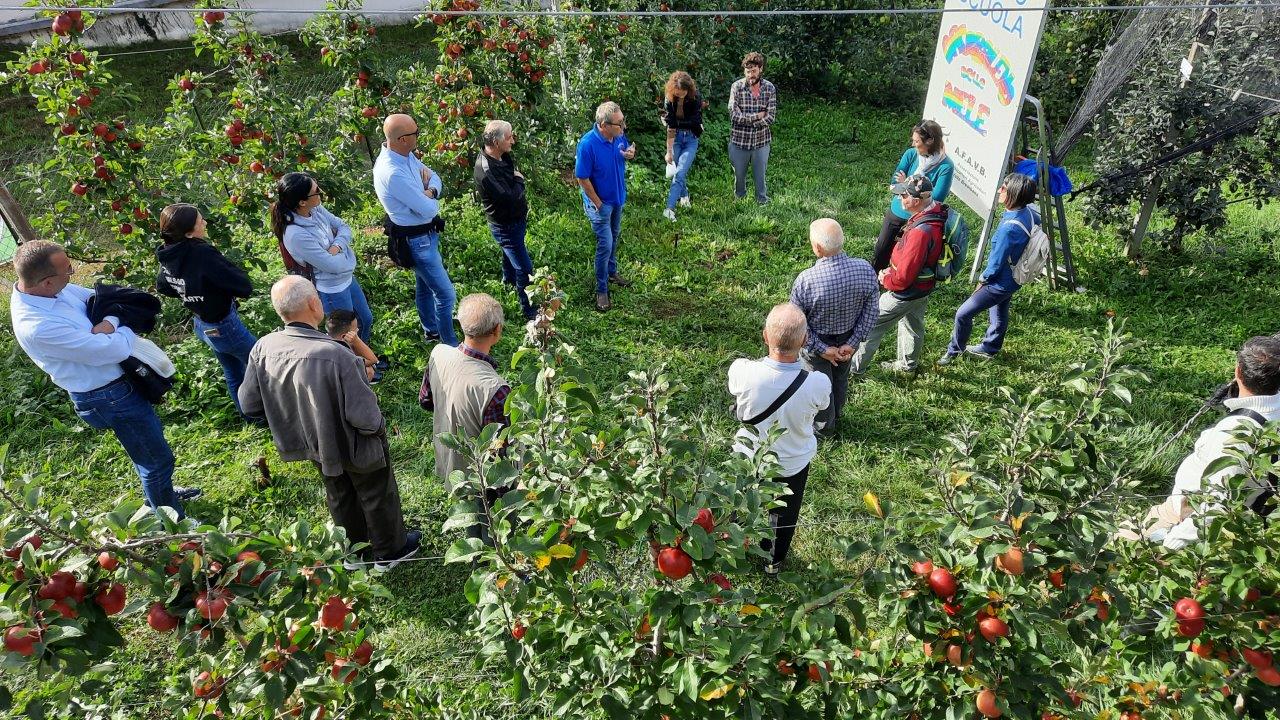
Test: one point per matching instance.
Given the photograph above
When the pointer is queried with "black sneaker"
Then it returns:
(413, 542)
(377, 376)
(382, 365)
(186, 493)
(431, 336)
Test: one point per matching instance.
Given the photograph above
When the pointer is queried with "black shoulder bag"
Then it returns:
(777, 403)
(1260, 500)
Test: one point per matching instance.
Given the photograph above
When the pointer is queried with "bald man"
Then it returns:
(410, 195)
(778, 392)
(840, 298)
(313, 393)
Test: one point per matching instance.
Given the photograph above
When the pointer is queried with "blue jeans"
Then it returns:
(758, 159)
(231, 342)
(606, 223)
(996, 302)
(434, 294)
(685, 149)
(517, 266)
(351, 299)
(116, 407)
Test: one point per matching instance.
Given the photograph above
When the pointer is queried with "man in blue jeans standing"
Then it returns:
(501, 188)
(52, 325)
(601, 169)
(410, 194)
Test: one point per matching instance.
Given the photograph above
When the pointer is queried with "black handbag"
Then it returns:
(145, 380)
(398, 238)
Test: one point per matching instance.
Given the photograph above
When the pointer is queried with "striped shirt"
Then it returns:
(749, 131)
(840, 297)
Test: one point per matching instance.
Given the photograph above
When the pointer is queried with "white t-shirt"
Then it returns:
(756, 384)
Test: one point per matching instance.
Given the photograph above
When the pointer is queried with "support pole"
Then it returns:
(981, 249)
(14, 217)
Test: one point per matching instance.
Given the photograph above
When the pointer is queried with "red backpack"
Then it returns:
(292, 266)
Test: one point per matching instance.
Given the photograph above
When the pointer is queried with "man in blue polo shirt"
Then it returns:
(601, 170)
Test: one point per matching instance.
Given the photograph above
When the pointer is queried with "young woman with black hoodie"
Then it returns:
(208, 284)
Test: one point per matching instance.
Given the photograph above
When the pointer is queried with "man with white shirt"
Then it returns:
(1175, 523)
(777, 391)
(52, 326)
(410, 195)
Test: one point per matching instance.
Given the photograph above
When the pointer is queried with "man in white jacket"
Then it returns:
(777, 391)
(1175, 523)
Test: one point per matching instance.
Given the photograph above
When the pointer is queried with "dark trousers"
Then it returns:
(481, 528)
(884, 243)
(517, 266)
(785, 519)
(367, 506)
(839, 375)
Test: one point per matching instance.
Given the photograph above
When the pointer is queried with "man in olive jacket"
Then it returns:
(313, 393)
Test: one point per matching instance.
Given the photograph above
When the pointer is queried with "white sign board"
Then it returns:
(981, 66)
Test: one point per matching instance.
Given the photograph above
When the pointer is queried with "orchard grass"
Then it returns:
(702, 288)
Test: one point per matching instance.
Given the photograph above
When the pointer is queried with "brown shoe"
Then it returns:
(602, 302)
(619, 281)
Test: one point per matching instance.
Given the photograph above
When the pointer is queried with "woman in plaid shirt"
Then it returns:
(753, 108)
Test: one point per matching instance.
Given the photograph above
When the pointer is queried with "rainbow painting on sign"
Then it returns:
(966, 107)
(962, 42)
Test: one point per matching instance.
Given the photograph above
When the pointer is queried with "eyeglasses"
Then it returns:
(317, 193)
(622, 125)
(412, 134)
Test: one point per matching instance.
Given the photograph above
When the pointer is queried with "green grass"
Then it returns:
(703, 286)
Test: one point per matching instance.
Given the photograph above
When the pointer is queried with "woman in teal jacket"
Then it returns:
(927, 157)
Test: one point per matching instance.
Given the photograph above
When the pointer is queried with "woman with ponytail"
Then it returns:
(208, 284)
(319, 243)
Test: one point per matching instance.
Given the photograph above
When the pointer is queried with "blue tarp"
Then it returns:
(1059, 183)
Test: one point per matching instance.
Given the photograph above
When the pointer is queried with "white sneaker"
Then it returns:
(684, 201)
(669, 214)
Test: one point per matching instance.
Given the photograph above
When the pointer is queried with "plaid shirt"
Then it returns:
(750, 132)
(493, 411)
(840, 297)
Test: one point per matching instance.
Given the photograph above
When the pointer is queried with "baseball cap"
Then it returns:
(917, 186)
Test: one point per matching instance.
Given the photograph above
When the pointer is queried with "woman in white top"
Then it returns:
(319, 244)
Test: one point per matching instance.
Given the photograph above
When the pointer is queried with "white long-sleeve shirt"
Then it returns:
(397, 181)
(756, 384)
(1210, 446)
(58, 336)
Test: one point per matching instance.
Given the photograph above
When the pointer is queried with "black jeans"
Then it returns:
(785, 519)
(367, 506)
(884, 243)
(838, 372)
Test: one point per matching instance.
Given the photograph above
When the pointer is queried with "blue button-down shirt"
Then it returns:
(397, 180)
(840, 297)
(57, 335)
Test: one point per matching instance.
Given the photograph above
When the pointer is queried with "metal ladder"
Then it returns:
(1034, 127)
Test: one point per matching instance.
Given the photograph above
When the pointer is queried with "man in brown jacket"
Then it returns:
(319, 407)
(463, 389)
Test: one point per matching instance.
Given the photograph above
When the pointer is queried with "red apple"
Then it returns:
(208, 686)
(1269, 676)
(66, 611)
(68, 129)
(343, 670)
(213, 17)
(986, 704)
(78, 58)
(518, 630)
(705, 520)
(126, 229)
(212, 606)
(363, 653)
(942, 583)
(922, 567)
(369, 112)
(186, 84)
(992, 628)
(1010, 562)
(84, 101)
(674, 563)
(111, 599)
(20, 640)
(106, 560)
(1259, 659)
(59, 586)
(334, 613)
(256, 166)
(63, 24)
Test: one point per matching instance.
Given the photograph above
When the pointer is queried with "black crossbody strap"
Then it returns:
(781, 399)
(1259, 502)
(1253, 415)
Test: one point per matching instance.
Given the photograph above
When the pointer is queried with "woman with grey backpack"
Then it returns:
(998, 282)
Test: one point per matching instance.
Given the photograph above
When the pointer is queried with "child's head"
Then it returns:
(341, 322)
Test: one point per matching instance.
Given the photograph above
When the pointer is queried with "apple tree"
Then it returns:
(262, 621)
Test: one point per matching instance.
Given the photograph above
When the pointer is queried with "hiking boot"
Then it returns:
(602, 302)
(619, 281)
(413, 543)
(186, 493)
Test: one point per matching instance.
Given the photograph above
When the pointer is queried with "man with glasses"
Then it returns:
(51, 323)
(410, 195)
(601, 169)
